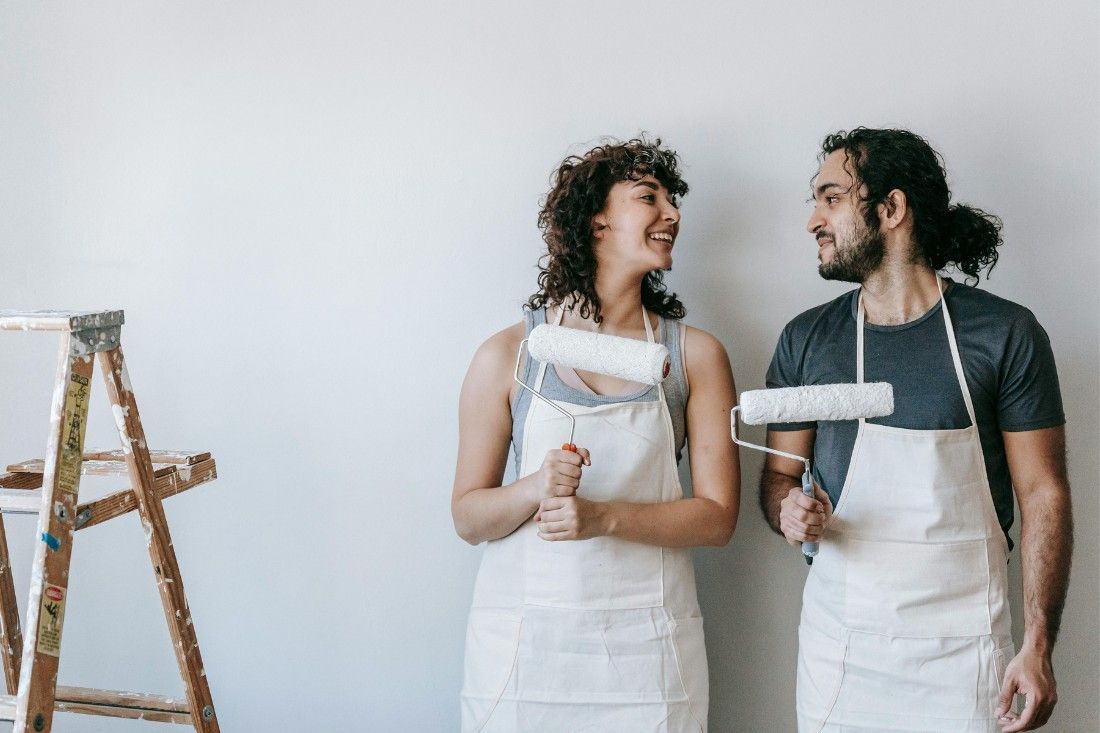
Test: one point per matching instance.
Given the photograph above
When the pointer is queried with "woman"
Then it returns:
(585, 615)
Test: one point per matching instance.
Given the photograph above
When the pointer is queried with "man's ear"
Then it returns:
(893, 209)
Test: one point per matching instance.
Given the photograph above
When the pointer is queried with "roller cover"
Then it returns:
(817, 402)
(630, 359)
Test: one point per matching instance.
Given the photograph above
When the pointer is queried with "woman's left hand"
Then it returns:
(571, 518)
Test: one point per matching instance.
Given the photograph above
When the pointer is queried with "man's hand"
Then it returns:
(802, 519)
(1031, 675)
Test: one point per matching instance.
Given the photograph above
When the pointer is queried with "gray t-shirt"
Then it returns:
(1006, 358)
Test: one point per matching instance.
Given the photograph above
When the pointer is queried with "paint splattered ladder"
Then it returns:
(49, 488)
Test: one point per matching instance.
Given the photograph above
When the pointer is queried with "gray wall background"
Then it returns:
(313, 213)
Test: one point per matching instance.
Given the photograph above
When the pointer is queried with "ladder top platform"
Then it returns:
(58, 320)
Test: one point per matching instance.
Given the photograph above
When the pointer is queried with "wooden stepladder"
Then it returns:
(49, 489)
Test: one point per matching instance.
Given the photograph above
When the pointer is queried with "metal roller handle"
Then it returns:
(809, 549)
(569, 446)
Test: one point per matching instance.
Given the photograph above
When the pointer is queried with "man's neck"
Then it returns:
(899, 292)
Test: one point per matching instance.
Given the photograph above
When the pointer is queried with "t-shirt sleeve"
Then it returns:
(1029, 397)
(786, 371)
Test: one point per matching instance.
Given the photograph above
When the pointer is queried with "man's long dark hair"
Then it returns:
(578, 192)
(944, 233)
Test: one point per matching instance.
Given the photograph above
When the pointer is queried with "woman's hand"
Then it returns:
(559, 475)
(571, 518)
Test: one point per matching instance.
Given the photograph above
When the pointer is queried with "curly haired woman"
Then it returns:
(585, 615)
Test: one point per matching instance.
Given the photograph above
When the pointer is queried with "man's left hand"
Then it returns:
(1029, 674)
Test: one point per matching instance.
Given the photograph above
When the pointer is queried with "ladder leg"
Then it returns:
(11, 635)
(50, 570)
(169, 582)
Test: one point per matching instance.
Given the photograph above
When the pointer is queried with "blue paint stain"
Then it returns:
(51, 542)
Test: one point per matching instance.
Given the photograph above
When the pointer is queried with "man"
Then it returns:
(905, 622)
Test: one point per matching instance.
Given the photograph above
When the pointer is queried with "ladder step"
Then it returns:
(24, 501)
(58, 320)
(20, 480)
(116, 704)
(177, 457)
(92, 468)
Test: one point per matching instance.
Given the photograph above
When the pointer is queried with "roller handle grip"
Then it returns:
(809, 549)
(571, 447)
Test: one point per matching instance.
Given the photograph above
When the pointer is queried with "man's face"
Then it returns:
(847, 248)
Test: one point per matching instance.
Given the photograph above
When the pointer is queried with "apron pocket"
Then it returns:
(492, 643)
(1001, 658)
(820, 674)
(912, 589)
(689, 654)
(925, 684)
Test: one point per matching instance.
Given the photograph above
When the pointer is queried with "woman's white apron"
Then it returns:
(595, 635)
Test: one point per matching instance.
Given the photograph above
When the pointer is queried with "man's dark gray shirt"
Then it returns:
(1006, 358)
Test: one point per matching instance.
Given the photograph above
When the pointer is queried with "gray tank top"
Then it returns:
(554, 388)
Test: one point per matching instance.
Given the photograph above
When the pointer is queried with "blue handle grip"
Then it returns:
(809, 549)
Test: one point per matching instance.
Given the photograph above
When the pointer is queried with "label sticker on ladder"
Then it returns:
(74, 420)
(50, 619)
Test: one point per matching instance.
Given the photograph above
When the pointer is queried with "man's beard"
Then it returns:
(853, 262)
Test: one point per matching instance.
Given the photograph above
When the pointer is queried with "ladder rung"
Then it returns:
(178, 457)
(124, 501)
(92, 468)
(135, 705)
(24, 501)
(20, 480)
(20, 501)
(58, 320)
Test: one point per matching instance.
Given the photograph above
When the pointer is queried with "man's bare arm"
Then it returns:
(790, 513)
(1037, 463)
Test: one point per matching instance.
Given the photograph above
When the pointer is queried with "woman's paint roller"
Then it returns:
(811, 404)
(616, 356)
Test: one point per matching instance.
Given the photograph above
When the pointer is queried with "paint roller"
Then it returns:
(616, 356)
(810, 403)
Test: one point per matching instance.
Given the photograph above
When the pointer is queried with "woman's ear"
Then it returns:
(599, 223)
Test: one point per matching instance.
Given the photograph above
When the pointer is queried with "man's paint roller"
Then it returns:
(625, 358)
(811, 404)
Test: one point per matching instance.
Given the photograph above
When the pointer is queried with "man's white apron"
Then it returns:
(905, 621)
(595, 635)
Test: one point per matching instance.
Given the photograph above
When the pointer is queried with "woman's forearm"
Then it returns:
(681, 523)
(493, 512)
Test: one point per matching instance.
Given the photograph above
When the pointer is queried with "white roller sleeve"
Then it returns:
(630, 359)
(817, 402)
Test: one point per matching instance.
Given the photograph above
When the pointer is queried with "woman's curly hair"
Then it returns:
(945, 233)
(579, 188)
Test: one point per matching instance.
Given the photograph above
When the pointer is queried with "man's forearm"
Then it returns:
(1046, 547)
(774, 486)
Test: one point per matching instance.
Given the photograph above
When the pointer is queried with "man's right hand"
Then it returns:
(803, 519)
(559, 475)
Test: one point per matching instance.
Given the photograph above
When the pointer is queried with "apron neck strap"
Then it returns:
(941, 286)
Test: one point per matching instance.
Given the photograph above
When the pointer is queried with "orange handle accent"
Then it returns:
(571, 447)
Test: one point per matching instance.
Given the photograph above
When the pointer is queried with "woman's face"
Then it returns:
(637, 227)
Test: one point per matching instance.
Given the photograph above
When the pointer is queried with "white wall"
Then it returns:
(313, 213)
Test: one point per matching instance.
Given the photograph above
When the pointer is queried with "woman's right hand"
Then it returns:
(559, 475)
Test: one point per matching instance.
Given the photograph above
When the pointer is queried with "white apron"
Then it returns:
(905, 620)
(598, 635)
